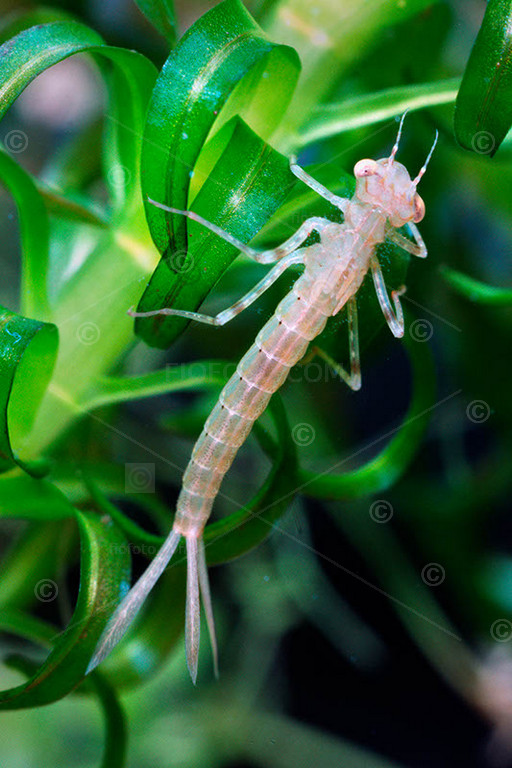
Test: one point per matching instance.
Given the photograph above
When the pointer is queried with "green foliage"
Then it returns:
(483, 111)
(27, 357)
(212, 131)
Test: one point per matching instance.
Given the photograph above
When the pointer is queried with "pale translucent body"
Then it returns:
(385, 199)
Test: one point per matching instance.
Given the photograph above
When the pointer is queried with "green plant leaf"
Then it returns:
(176, 378)
(384, 470)
(223, 66)
(475, 290)
(483, 111)
(214, 57)
(34, 236)
(72, 210)
(104, 576)
(28, 349)
(332, 119)
(245, 187)
(161, 14)
(43, 634)
(18, 20)
(33, 50)
(132, 531)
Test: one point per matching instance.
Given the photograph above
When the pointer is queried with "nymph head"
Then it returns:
(387, 184)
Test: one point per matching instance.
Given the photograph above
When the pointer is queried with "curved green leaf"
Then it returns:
(28, 350)
(223, 66)
(18, 20)
(246, 186)
(332, 119)
(34, 235)
(213, 57)
(178, 378)
(33, 50)
(382, 471)
(475, 290)
(483, 111)
(72, 210)
(43, 634)
(161, 14)
(148, 542)
(104, 576)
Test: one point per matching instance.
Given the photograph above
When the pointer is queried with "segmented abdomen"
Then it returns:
(280, 345)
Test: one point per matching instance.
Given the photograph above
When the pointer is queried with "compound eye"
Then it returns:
(419, 209)
(365, 168)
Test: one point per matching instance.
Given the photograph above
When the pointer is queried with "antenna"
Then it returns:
(398, 136)
(424, 166)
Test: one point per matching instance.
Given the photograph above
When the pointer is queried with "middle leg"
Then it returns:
(228, 314)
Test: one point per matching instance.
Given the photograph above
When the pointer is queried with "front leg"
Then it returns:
(262, 257)
(300, 173)
(416, 249)
(394, 318)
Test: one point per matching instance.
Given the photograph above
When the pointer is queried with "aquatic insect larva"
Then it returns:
(334, 268)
